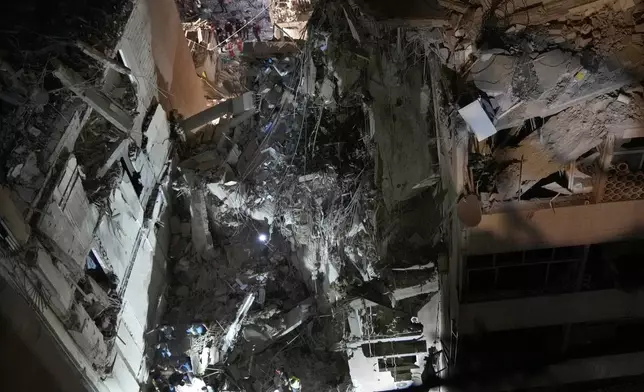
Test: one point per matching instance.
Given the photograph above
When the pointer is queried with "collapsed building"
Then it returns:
(369, 197)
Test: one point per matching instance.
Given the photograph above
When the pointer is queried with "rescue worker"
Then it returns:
(238, 26)
(294, 384)
(285, 383)
(256, 30)
(222, 4)
(228, 27)
(244, 33)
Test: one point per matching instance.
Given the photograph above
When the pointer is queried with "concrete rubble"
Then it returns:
(299, 217)
(559, 76)
(281, 205)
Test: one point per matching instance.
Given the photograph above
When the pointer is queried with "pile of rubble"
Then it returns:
(282, 218)
(538, 84)
(271, 205)
(326, 191)
(460, 32)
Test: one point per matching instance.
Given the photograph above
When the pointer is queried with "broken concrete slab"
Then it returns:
(263, 335)
(240, 118)
(554, 87)
(562, 139)
(478, 120)
(235, 327)
(491, 74)
(552, 65)
(273, 96)
(528, 164)
(201, 235)
(405, 161)
(233, 155)
(242, 103)
(193, 123)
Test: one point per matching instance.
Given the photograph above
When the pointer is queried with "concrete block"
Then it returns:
(478, 120)
(235, 121)
(308, 81)
(242, 103)
(491, 74)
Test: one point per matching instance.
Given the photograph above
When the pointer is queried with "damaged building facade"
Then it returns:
(85, 197)
(368, 197)
(544, 273)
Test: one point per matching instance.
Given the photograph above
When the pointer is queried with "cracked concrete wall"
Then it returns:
(406, 153)
(69, 219)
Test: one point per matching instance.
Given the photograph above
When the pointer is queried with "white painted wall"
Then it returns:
(554, 227)
(551, 310)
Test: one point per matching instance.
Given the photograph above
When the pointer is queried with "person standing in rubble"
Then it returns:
(285, 383)
(238, 26)
(256, 30)
(294, 384)
(244, 33)
(228, 28)
(221, 37)
(222, 4)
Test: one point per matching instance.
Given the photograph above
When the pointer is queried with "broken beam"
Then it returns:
(235, 106)
(94, 98)
(119, 151)
(101, 58)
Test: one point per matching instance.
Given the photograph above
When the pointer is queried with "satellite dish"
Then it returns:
(469, 211)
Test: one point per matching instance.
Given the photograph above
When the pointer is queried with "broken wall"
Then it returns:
(154, 47)
(67, 211)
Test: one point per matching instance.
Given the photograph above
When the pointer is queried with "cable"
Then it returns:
(241, 28)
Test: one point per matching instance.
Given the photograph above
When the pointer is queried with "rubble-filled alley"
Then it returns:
(323, 195)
